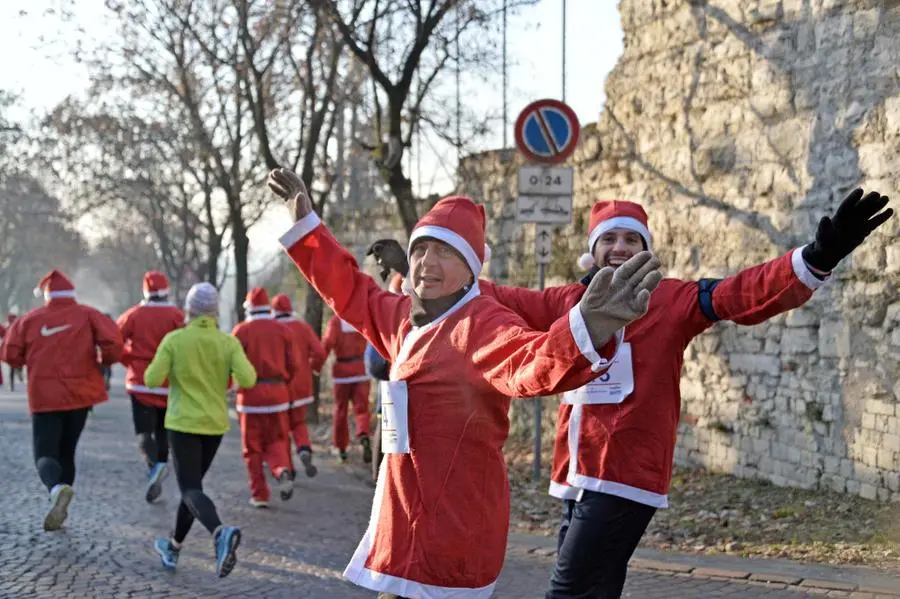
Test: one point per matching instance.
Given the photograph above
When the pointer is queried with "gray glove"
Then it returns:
(289, 187)
(617, 297)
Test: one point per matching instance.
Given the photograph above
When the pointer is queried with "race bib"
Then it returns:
(613, 386)
(394, 417)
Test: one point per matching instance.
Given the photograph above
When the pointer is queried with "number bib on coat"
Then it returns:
(394, 417)
(613, 386)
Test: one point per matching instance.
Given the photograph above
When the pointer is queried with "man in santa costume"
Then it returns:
(351, 385)
(616, 437)
(58, 343)
(263, 408)
(440, 515)
(143, 327)
(310, 356)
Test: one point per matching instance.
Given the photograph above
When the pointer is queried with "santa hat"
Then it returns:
(55, 284)
(614, 214)
(281, 304)
(156, 284)
(257, 300)
(458, 222)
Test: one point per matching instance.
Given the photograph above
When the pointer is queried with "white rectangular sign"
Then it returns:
(543, 243)
(544, 209)
(546, 180)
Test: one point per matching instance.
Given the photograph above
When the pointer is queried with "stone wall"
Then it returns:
(738, 124)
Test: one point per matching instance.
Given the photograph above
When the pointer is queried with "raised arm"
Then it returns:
(333, 272)
(539, 309)
(13, 349)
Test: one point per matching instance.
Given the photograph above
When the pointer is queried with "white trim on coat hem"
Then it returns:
(801, 269)
(281, 407)
(346, 380)
(582, 337)
(299, 230)
(164, 391)
(357, 573)
(561, 491)
(609, 487)
(304, 401)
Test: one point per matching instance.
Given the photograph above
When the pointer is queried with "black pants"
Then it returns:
(192, 455)
(150, 428)
(597, 536)
(55, 436)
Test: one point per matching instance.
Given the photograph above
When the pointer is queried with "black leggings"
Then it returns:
(55, 436)
(150, 428)
(192, 456)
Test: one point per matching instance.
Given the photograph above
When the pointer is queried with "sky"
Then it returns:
(36, 65)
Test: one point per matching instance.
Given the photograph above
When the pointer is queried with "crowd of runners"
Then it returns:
(448, 350)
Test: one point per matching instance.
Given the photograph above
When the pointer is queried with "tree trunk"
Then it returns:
(241, 272)
(401, 187)
(313, 316)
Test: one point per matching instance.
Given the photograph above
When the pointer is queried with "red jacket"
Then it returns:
(143, 328)
(627, 448)
(349, 348)
(58, 344)
(310, 355)
(269, 346)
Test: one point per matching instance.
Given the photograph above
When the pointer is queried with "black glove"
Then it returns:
(839, 235)
(389, 255)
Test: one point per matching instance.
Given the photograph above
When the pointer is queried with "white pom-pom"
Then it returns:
(38, 292)
(487, 252)
(585, 261)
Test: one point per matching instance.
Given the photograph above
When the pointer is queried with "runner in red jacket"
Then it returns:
(351, 384)
(143, 328)
(58, 343)
(311, 357)
(263, 409)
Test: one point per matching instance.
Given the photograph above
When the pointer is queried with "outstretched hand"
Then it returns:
(838, 235)
(289, 187)
(617, 297)
(389, 255)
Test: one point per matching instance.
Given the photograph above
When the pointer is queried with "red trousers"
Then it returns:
(265, 438)
(299, 430)
(344, 393)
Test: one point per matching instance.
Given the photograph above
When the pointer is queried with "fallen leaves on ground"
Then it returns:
(717, 513)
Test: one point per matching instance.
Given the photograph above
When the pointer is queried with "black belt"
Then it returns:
(264, 381)
(353, 359)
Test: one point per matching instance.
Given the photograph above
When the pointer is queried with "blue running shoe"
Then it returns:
(155, 479)
(227, 539)
(167, 553)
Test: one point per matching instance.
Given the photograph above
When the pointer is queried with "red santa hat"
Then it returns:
(281, 304)
(257, 299)
(55, 284)
(614, 214)
(459, 222)
(156, 284)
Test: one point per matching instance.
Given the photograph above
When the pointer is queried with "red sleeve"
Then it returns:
(749, 297)
(107, 338)
(315, 350)
(353, 295)
(520, 362)
(539, 309)
(13, 349)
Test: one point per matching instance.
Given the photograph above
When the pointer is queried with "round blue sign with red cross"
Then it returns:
(547, 131)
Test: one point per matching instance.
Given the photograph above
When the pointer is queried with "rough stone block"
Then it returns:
(755, 363)
(867, 491)
(834, 339)
(799, 340)
(853, 487)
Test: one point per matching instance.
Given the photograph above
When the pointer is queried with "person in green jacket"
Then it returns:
(198, 360)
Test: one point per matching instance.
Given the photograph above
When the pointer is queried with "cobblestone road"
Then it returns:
(296, 549)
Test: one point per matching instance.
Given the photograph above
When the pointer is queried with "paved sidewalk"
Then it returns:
(296, 549)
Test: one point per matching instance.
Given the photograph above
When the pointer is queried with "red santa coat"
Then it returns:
(143, 327)
(440, 514)
(58, 343)
(627, 448)
(348, 347)
(310, 356)
(270, 348)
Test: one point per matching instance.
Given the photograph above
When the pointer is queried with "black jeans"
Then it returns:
(192, 455)
(150, 428)
(55, 436)
(597, 537)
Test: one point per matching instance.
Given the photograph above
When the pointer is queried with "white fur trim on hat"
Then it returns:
(451, 238)
(61, 293)
(157, 293)
(586, 261)
(620, 222)
(487, 252)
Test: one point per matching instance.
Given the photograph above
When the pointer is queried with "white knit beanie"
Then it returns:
(202, 300)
